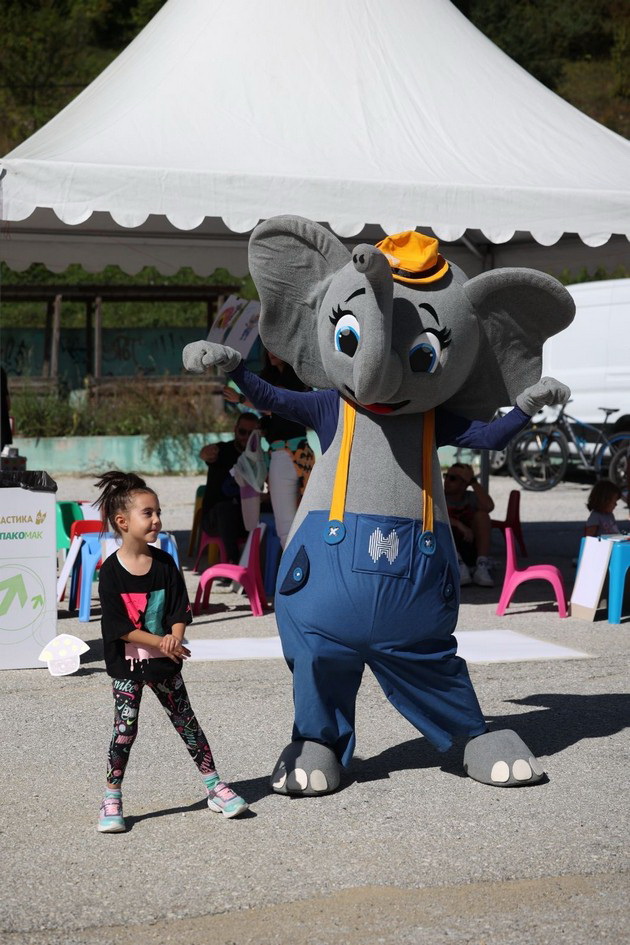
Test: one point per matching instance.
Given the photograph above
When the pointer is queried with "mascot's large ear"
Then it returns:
(292, 261)
(518, 309)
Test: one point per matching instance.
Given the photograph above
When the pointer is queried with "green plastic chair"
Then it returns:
(67, 513)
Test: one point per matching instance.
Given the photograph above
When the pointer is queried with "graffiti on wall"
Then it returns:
(126, 352)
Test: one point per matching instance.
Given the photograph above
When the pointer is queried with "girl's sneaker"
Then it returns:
(110, 816)
(223, 800)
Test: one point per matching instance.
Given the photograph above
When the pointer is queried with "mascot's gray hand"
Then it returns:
(546, 392)
(199, 355)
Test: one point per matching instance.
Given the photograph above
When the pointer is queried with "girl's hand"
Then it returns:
(232, 396)
(464, 530)
(470, 474)
(173, 648)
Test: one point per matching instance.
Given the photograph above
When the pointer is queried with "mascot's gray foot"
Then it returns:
(503, 759)
(306, 769)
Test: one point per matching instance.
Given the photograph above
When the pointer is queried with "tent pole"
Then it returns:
(47, 339)
(55, 338)
(98, 337)
(88, 336)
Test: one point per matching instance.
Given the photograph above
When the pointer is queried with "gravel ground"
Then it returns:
(408, 851)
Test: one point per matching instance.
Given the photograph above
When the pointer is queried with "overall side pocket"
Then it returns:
(297, 575)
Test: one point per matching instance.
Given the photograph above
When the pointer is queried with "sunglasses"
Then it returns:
(241, 431)
(451, 477)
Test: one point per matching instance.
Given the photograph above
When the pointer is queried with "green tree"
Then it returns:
(542, 34)
(47, 58)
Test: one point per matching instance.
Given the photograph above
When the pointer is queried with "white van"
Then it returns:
(592, 355)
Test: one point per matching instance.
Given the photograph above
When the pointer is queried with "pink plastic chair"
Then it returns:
(250, 578)
(204, 541)
(512, 520)
(536, 572)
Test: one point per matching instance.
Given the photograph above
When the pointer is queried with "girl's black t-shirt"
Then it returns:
(154, 602)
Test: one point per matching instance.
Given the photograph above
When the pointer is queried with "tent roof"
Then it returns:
(397, 114)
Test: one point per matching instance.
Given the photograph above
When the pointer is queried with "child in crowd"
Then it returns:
(145, 610)
(601, 504)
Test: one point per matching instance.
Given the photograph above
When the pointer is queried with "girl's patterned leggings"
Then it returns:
(172, 694)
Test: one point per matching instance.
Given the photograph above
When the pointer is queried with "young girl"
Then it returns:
(601, 504)
(145, 610)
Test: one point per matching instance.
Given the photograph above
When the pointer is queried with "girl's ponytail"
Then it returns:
(116, 490)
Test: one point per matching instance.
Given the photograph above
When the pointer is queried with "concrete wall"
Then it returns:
(93, 455)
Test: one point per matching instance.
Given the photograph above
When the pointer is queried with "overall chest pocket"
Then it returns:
(384, 546)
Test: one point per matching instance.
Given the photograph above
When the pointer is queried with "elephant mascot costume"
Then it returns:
(405, 354)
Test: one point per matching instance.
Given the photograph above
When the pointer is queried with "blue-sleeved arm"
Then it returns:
(318, 410)
(451, 429)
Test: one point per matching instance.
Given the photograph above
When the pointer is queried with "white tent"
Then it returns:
(357, 113)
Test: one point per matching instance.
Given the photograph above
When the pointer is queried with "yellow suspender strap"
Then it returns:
(428, 437)
(338, 504)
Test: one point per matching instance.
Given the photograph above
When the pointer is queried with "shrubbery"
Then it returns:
(133, 410)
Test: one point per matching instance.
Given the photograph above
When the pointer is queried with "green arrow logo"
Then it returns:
(13, 587)
(37, 601)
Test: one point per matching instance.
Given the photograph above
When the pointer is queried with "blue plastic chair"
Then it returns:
(168, 543)
(617, 570)
(90, 556)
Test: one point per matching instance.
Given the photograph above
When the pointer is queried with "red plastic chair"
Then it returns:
(250, 578)
(512, 520)
(84, 526)
(80, 527)
(536, 572)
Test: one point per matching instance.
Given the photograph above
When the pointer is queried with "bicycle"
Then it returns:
(538, 457)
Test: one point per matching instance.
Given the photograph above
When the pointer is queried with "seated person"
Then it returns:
(221, 505)
(291, 458)
(469, 507)
(601, 504)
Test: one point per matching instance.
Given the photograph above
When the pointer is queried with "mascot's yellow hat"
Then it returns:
(413, 257)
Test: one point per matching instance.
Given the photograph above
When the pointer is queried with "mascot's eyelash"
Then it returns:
(338, 313)
(443, 335)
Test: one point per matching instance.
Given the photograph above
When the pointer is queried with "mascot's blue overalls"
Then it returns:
(393, 587)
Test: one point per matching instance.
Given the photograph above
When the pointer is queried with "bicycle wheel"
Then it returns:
(538, 459)
(619, 466)
(605, 453)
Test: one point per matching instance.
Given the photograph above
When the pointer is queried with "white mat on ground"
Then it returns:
(476, 646)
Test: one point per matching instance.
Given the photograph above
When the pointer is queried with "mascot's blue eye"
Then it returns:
(424, 357)
(347, 335)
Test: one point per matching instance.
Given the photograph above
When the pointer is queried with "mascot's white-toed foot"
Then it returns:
(501, 758)
(306, 769)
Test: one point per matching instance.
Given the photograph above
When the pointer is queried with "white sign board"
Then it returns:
(590, 577)
(228, 315)
(244, 332)
(28, 571)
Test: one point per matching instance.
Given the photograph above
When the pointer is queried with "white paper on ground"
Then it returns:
(475, 646)
(507, 646)
(238, 648)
